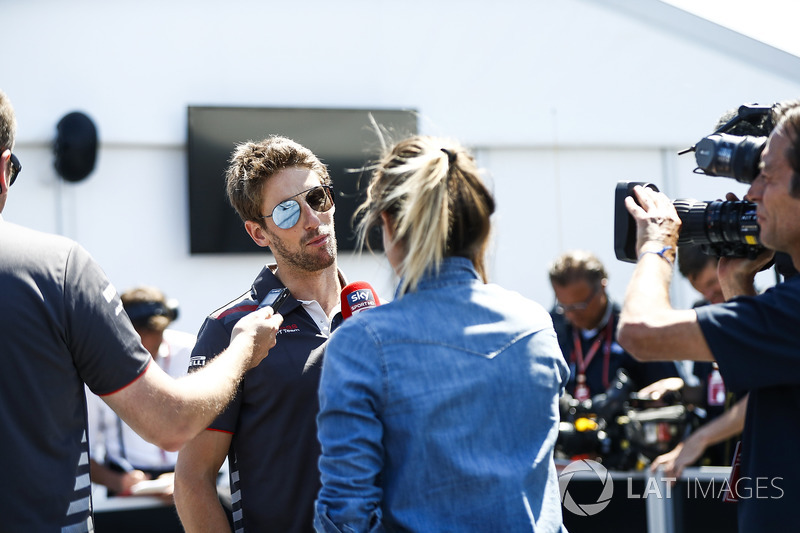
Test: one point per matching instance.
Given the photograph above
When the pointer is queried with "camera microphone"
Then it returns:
(357, 297)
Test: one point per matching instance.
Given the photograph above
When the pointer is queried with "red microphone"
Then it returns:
(358, 296)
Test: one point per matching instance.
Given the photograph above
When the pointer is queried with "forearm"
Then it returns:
(735, 278)
(198, 506)
(350, 496)
(202, 395)
(102, 475)
(737, 275)
(725, 426)
(196, 473)
(649, 328)
(170, 412)
(737, 287)
(647, 295)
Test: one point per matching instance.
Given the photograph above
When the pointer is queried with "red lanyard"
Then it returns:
(577, 351)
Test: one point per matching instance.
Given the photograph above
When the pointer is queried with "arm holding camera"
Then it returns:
(649, 328)
(736, 274)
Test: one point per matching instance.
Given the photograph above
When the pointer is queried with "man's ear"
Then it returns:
(257, 233)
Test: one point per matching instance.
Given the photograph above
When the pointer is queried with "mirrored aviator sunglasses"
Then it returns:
(286, 214)
(16, 168)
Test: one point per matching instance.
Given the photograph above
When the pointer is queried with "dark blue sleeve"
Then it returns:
(105, 348)
(756, 340)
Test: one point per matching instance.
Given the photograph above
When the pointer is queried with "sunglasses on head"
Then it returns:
(286, 214)
(16, 168)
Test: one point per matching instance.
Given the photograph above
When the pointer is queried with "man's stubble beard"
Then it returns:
(303, 259)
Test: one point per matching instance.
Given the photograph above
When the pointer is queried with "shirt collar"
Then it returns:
(589, 333)
(266, 281)
(452, 270)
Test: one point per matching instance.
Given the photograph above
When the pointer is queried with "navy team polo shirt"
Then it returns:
(274, 449)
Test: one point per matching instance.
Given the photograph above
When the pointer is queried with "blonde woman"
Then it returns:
(439, 409)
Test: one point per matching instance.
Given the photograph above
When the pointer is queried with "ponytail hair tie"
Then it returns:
(451, 156)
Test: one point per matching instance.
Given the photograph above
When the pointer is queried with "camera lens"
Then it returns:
(730, 156)
(725, 228)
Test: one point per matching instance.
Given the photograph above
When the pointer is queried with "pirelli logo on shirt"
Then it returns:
(197, 361)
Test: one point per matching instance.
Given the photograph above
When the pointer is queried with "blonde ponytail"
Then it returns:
(431, 191)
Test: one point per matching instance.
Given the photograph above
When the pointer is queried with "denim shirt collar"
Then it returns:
(452, 271)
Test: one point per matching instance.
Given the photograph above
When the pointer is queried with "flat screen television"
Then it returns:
(344, 139)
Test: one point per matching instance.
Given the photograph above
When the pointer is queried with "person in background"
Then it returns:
(585, 320)
(700, 269)
(283, 194)
(425, 414)
(62, 326)
(120, 458)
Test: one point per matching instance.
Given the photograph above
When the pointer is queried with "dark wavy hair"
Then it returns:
(253, 163)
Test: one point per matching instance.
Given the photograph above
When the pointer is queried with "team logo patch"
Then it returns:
(289, 328)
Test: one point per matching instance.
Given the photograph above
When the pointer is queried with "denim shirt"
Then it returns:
(439, 412)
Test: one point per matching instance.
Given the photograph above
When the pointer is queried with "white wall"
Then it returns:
(559, 99)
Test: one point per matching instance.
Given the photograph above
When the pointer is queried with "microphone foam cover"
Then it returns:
(356, 297)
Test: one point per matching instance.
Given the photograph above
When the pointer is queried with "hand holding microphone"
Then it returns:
(260, 328)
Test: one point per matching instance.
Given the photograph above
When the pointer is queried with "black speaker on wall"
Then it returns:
(75, 146)
(344, 139)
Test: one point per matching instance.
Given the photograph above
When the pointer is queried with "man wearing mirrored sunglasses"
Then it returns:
(283, 194)
(62, 324)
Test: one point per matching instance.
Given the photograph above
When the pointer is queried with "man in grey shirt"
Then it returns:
(62, 325)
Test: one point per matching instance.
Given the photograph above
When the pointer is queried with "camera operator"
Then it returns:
(711, 444)
(752, 337)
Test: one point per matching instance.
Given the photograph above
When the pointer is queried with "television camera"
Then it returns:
(621, 429)
(721, 228)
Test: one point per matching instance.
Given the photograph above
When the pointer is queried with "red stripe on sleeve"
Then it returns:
(131, 382)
